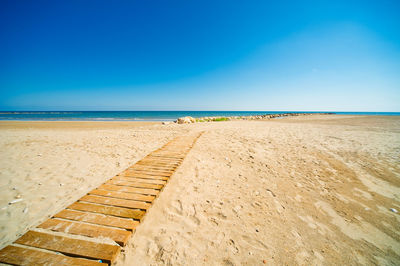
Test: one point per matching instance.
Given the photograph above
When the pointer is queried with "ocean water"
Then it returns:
(141, 115)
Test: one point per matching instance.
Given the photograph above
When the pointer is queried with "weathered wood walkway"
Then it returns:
(75, 236)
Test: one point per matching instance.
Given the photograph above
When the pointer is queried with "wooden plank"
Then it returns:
(165, 151)
(109, 210)
(133, 204)
(70, 246)
(100, 219)
(162, 159)
(153, 167)
(158, 166)
(168, 155)
(120, 236)
(134, 184)
(144, 191)
(156, 177)
(171, 152)
(165, 156)
(16, 255)
(177, 146)
(175, 149)
(140, 180)
(147, 161)
(149, 172)
(122, 195)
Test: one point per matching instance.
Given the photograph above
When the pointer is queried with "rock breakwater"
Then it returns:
(189, 119)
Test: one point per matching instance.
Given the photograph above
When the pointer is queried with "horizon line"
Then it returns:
(322, 111)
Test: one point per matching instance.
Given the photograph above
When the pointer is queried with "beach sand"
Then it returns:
(299, 190)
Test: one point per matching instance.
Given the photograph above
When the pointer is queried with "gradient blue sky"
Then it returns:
(200, 55)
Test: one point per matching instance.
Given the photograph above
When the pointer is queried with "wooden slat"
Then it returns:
(144, 191)
(97, 219)
(152, 167)
(170, 152)
(177, 146)
(149, 172)
(148, 164)
(162, 160)
(158, 162)
(109, 210)
(140, 180)
(16, 255)
(120, 236)
(157, 166)
(175, 149)
(122, 195)
(167, 155)
(133, 204)
(156, 177)
(70, 246)
(154, 161)
(134, 184)
(153, 155)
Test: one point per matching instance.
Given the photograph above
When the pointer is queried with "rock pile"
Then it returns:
(189, 119)
(185, 120)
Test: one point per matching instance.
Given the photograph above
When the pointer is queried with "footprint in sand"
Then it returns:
(232, 246)
(177, 206)
(193, 217)
(254, 243)
(278, 206)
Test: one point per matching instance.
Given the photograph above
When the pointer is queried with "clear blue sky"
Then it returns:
(200, 55)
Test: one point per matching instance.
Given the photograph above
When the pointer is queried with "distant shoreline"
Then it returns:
(147, 116)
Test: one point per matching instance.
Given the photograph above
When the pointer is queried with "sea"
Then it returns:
(143, 115)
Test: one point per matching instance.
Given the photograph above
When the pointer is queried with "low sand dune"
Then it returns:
(298, 190)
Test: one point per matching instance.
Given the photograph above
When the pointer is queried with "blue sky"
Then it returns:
(200, 55)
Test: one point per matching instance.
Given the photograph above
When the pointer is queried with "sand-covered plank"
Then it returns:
(109, 210)
(115, 181)
(70, 246)
(158, 162)
(144, 191)
(133, 204)
(153, 168)
(141, 180)
(120, 236)
(149, 172)
(16, 255)
(122, 195)
(145, 176)
(99, 219)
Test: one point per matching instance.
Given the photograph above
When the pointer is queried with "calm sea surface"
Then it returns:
(138, 115)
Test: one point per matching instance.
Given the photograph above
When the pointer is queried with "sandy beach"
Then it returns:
(314, 190)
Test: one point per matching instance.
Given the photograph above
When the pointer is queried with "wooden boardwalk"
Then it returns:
(75, 236)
